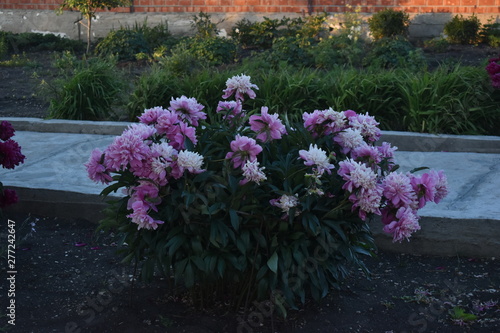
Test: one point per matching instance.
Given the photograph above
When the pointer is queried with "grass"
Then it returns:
(451, 99)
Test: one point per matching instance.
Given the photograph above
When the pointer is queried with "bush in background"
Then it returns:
(389, 23)
(86, 90)
(393, 53)
(462, 30)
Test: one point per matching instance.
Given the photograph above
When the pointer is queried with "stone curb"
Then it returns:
(477, 237)
(405, 141)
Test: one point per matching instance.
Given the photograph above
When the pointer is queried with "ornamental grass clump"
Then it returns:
(238, 205)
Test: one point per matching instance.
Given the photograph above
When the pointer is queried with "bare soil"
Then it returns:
(70, 279)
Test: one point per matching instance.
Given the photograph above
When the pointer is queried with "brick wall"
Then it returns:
(281, 6)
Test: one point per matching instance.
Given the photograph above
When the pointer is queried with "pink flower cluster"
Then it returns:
(10, 157)
(396, 196)
(154, 152)
(493, 69)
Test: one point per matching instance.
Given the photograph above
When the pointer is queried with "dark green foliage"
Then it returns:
(124, 44)
(338, 51)
(87, 89)
(490, 34)
(291, 51)
(437, 45)
(462, 30)
(213, 51)
(394, 52)
(203, 25)
(33, 42)
(389, 23)
(262, 35)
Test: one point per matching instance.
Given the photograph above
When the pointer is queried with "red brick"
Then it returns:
(486, 3)
(469, 2)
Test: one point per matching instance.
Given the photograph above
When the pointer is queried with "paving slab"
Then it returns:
(53, 181)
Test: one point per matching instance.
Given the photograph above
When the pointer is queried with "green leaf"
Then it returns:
(235, 221)
(272, 263)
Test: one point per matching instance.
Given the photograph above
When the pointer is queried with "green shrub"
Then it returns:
(490, 34)
(203, 26)
(437, 44)
(291, 51)
(33, 42)
(392, 53)
(123, 43)
(258, 35)
(337, 51)
(462, 30)
(86, 89)
(389, 23)
(213, 51)
(181, 62)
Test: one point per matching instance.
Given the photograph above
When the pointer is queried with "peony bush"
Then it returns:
(10, 157)
(240, 206)
(493, 69)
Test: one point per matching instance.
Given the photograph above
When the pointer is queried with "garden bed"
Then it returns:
(67, 279)
(20, 95)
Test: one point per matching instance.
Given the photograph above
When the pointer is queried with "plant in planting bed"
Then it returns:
(240, 206)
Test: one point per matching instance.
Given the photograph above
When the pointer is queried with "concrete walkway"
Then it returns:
(53, 181)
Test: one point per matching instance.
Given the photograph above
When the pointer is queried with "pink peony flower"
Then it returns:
(167, 122)
(188, 109)
(179, 133)
(367, 126)
(243, 149)
(239, 85)
(356, 175)
(425, 187)
(398, 190)
(366, 200)
(10, 154)
(349, 139)
(324, 122)
(230, 109)
(6, 130)
(386, 152)
(127, 150)
(150, 116)
(441, 188)
(316, 156)
(8, 197)
(267, 126)
(405, 224)
(96, 168)
(366, 154)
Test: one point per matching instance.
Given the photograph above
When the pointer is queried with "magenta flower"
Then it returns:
(10, 154)
(177, 137)
(366, 200)
(150, 116)
(127, 150)
(239, 85)
(230, 109)
(386, 152)
(7, 197)
(367, 154)
(243, 149)
(367, 125)
(493, 69)
(166, 122)
(425, 187)
(405, 224)
(267, 126)
(398, 190)
(356, 175)
(96, 167)
(188, 109)
(324, 122)
(441, 188)
(6, 130)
